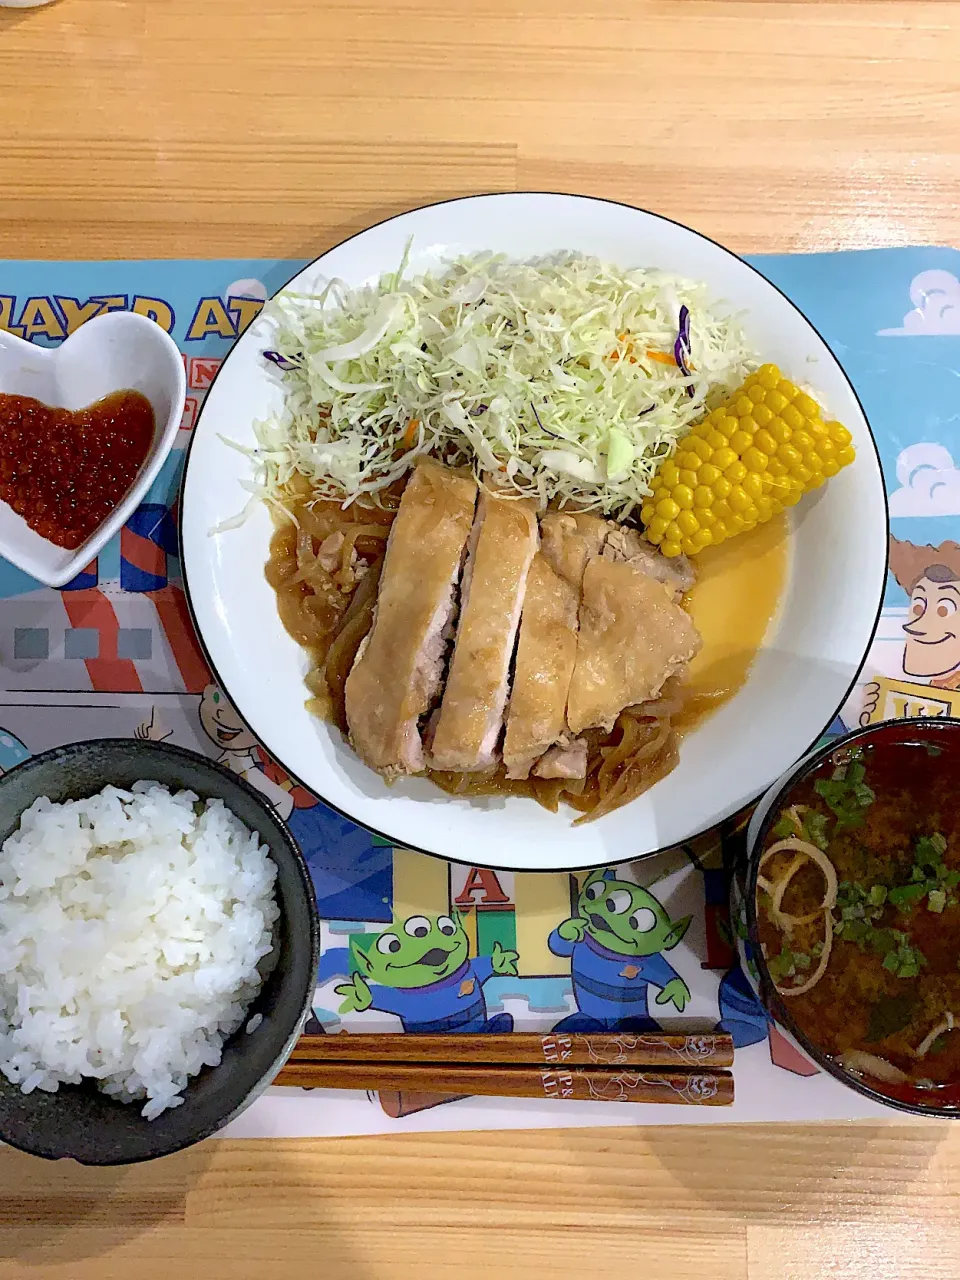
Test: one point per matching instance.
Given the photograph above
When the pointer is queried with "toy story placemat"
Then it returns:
(113, 654)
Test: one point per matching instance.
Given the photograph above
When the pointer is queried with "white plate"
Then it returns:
(799, 680)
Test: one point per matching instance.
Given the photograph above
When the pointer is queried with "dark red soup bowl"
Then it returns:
(847, 910)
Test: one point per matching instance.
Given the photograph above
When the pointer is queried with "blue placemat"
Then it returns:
(114, 654)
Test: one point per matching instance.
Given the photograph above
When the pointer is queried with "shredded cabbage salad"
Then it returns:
(563, 378)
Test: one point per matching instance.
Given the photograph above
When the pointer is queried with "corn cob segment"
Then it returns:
(758, 452)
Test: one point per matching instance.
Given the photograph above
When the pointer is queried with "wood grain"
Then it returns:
(771, 1202)
(239, 127)
(151, 128)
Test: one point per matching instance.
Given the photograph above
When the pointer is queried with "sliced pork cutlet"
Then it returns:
(633, 637)
(399, 666)
(503, 546)
(547, 647)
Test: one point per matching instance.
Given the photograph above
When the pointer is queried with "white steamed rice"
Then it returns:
(131, 927)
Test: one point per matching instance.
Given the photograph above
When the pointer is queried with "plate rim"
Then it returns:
(736, 807)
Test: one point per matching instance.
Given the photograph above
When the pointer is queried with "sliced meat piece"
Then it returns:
(565, 760)
(399, 666)
(568, 542)
(626, 544)
(633, 636)
(495, 581)
(547, 648)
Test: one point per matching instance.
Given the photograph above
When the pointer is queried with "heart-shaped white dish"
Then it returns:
(119, 351)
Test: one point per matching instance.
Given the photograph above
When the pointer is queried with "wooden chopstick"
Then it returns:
(602, 1084)
(678, 1052)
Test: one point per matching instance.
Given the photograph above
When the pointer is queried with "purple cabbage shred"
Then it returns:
(681, 348)
(281, 361)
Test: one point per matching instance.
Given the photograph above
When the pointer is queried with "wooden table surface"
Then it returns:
(152, 128)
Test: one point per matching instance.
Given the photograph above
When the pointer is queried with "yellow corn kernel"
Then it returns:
(756, 460)
(740, 441)
(739, 500)
(688, 523)
(752, 485)
(683, 497)
(792, 416)
(839, 434)
(765, 442)
(755, 454)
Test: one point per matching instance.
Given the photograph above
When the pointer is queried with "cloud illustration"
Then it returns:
(929, 482)
(936, 306)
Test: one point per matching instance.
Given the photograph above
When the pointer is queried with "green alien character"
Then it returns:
(420, 970)
(614, 943)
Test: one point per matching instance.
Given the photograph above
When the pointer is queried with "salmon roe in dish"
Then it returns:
(64, 470)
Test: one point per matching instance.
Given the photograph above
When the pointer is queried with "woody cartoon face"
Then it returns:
(933, 626)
